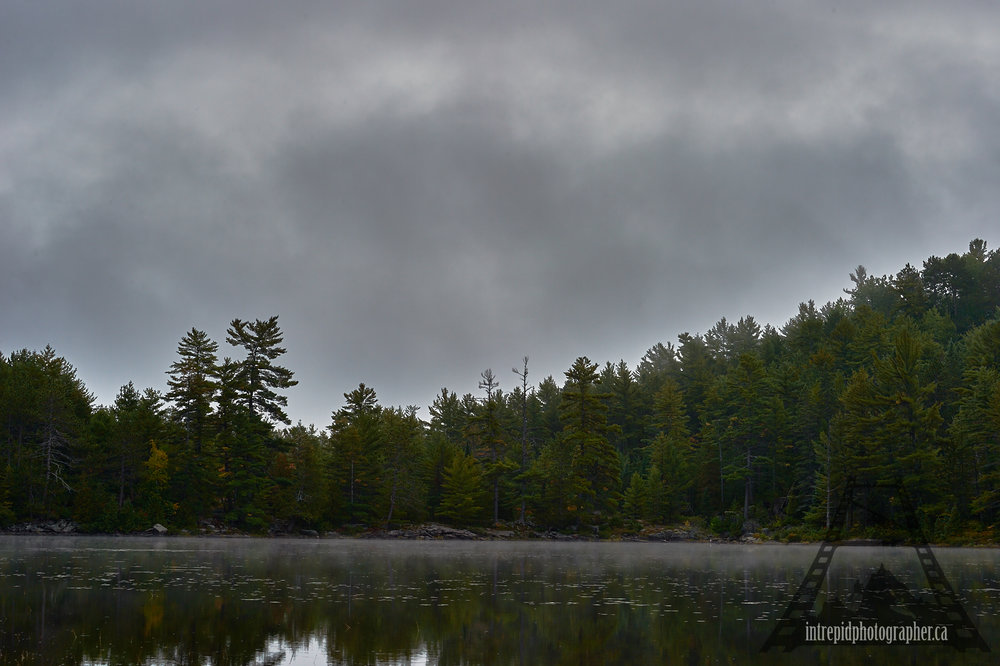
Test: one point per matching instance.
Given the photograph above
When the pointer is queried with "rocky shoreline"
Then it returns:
(434, 531)
(422, 532)
(63, 526)
(45, 527)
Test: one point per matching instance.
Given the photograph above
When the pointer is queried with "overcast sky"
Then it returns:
(423, 190)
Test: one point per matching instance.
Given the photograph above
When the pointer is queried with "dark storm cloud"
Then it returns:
(425, 190)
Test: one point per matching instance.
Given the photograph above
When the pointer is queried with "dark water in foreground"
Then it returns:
(93, 600)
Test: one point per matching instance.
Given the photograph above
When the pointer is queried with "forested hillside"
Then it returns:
(741, 427)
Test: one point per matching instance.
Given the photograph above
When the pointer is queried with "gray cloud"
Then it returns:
(424, 191)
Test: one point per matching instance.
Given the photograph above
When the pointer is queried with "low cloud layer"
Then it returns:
(424, 192)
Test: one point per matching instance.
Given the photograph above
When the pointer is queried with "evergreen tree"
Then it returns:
(61, 407)
(625, 417)
(492, 444)
(719, 340)
(877, 293)
(553, 491)
(595, 466)
(22, 414)
(975, 433)
(258, 377)
(549, 399)
(95, 506)
(635, 501)
(463, 494)
(7, 515)
(668, 478)
(401, 438)
(447, 416)
(522, 400)
(910, 287)
(298, 492)
(804, 399)
(745, 337)
(657, 364)
(138, 423)
(698, 372)
(439, 453)
(966, 287)
(193, 382)
(889, 428)
(975, 430)
(241, 448)
(738, 412)
(355, 460)
(245, 447)
(804, 332)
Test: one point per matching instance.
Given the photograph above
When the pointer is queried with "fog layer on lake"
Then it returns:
(254, 601)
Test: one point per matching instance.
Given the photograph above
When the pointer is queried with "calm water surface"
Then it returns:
(94, 600)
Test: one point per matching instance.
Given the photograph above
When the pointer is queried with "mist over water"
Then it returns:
(254, 601)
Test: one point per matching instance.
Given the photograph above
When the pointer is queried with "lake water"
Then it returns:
(95, 600)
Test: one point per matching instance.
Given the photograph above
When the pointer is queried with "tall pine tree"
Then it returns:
(193, 380)
(258, 377)
(596, 466)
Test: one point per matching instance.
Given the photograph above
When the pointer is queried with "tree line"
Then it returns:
(740, 428)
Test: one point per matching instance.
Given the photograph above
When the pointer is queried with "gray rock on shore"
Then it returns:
(428, 531)
(48, 527)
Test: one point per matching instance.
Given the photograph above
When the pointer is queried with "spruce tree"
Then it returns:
(889, 428)
(596, 466)
(355, 461)
(523, 466)
(462, 492)
(491, 442)
(240, 447)
(975, 430)
(138, 423)
(401, 446)
(65, 407)
(193, 382)
(669, 453)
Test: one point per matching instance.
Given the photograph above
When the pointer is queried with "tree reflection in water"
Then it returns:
(249, 601)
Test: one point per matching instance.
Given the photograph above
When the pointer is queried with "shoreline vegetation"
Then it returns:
(423, 531)
(431, 531)
(878, 413)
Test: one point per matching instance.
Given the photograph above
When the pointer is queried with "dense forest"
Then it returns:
(736, 430)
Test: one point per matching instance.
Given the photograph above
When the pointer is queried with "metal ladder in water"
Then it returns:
(789, 633)
(790, 630)
(951, 611)
(953, 614)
